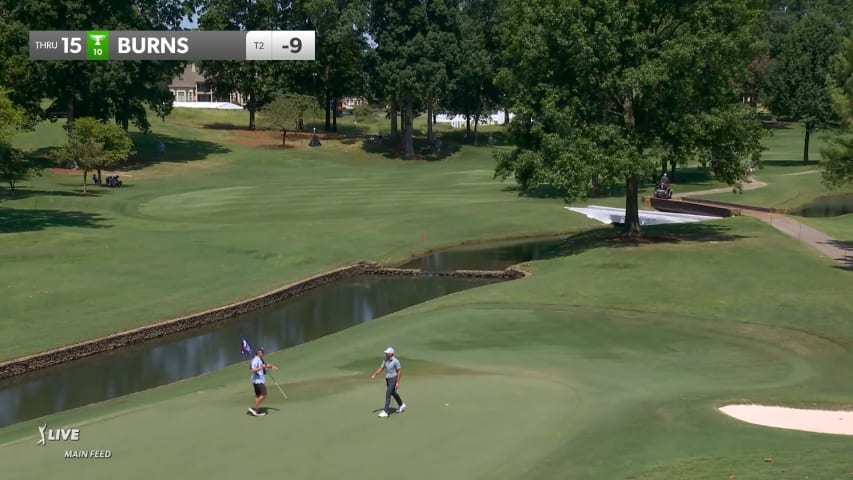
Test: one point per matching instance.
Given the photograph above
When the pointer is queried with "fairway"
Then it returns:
(560, 374)
(218, 223)
(609, 362)
(479, 240)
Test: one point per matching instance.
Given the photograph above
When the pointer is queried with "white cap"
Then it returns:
(389, 350)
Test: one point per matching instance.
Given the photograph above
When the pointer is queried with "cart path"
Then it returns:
(839, 251)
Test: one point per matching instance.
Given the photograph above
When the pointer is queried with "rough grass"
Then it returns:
(609, 362)
(214, 222)
(598, 366)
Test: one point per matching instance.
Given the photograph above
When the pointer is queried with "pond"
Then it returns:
(829, 206)
(299, 319)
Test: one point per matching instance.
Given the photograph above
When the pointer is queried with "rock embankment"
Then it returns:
(22, 365)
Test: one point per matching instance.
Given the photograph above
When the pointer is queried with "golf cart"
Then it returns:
(663, 191)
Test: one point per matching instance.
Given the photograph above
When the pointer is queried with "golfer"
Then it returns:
(259, 380)
(392, 381)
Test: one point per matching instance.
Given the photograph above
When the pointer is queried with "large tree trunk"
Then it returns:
(69, 103)
(85, 174)
(430, 135)
(395, 134)
(250, 105)
(478, 114)
(506, 116)
(410, 147)
(672, 166)
(328, 108)
(125, 117)
(467, 127)
(632, 215)
(476, 124)
(806, 147)
(334, 114)
(283, 137)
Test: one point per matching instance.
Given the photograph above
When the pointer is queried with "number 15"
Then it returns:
(75, 46)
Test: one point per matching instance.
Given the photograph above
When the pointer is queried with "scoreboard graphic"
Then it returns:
(103, 45)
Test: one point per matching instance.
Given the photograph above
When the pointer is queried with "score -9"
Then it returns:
(296, 44)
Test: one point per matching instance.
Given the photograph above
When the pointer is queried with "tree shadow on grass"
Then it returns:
(424, 151)
(774, 125)
(177, 150)
(686, 176)
(540, 191)
(225, 126)
(42, 156)
(22, 193)
(17, 221)
(789, 163)
(846, 259)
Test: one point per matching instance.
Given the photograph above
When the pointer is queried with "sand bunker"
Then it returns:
(819, 421)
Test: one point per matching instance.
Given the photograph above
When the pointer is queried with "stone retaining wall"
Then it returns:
(22, 365)
(737, 205)
(689, 207)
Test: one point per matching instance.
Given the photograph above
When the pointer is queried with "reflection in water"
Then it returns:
(832, 206)
(491, 256)
(319, 312)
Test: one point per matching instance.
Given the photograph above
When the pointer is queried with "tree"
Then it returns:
(14, 166)
(94, 145)
(134, 89)
(415, 42)
(339, 55)
(288, 112)
(472, 88)
(363, 113)
(440, 50)
(123, 91)
(838, 153)
(13, 119)
(797, 87)
(607, 89)
(394, 27)
(257, 82)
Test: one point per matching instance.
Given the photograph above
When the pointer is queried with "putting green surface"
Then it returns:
(595, 367)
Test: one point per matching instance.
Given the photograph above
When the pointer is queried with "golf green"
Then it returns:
(582, 370)
(608, 362)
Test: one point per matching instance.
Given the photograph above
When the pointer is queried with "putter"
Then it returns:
(277, 385)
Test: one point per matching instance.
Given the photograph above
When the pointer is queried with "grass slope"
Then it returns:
(216, 222)
(596, 367)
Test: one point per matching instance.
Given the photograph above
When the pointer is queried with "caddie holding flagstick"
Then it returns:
(259, 380)
(393, 372)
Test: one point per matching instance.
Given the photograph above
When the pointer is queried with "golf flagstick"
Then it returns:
(277, 385)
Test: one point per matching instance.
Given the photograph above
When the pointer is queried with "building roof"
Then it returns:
(190, 77)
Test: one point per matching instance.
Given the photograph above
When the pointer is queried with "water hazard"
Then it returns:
(831, 206)
(318, 312)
